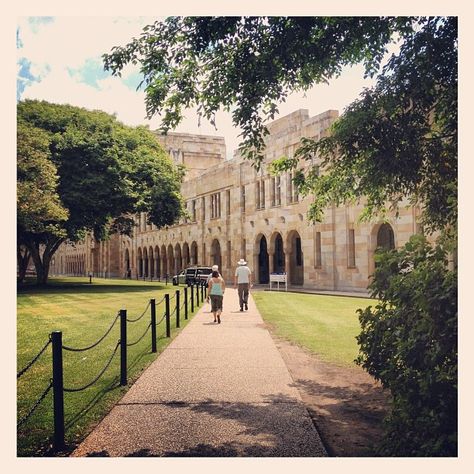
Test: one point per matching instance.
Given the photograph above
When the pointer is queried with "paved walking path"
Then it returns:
(216, 390)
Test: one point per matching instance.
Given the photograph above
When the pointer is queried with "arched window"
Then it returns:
(385, 237)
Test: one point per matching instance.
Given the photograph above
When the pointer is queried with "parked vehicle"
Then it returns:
(202, 273)
(192, 275)
(180, 278)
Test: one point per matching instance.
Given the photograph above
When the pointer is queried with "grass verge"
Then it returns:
(83, 312)
(325, 325)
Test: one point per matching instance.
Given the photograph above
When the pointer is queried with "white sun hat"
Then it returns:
(241, 262)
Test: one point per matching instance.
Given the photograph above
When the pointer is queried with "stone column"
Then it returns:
(287, 265)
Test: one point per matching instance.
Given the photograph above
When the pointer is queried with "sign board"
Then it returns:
(278, 278)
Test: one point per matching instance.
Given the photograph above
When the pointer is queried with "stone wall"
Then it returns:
(237, 212)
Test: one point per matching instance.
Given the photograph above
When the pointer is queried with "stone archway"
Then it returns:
(164, 262)
(140, 262)
(157, 262)
(127, 263)
(194, 254)
(216, 256)
(278, 253)
(296, 259)
(186, 260)
(171, 264)
(145, 263)
(178, 258)
(151, 259)
(263, 260)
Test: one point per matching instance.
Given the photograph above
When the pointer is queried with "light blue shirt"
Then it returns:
(216, 289)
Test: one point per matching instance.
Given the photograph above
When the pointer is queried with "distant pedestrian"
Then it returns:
(243, 282)
(216, 293)
(214, 268)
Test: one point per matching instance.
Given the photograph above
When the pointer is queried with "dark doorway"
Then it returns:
(263, 266)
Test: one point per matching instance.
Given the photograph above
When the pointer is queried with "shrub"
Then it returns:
(409, 343)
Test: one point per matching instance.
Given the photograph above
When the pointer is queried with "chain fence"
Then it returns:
(56, 383)
(35, 358)
(140, 338)
(96, 343)
(141, 316)
(35, 405)
(80, 389)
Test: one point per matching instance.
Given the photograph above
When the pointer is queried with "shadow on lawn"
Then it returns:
(60, 286)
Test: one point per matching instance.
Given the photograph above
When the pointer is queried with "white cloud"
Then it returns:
(71, 40)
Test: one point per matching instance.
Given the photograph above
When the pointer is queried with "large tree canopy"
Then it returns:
(97, 173)
(247, 64)
(397, 139)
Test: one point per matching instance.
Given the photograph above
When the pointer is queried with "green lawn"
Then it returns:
(326, 325)
(83, 312)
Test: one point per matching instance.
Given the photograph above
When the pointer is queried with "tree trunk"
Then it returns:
(23, 261)
(43, 261)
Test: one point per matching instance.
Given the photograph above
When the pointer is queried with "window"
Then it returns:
(260, 194)
(203, 208)
(229, 256)
(292, 193)
(193, 210)
(242, 198)
(228, 202)
(243, 249)
(275, 191)
(215, 205)
(351, 249)
(317, 250)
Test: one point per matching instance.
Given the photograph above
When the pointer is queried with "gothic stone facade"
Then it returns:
(236, 212)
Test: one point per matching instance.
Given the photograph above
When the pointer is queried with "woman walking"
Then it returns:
(216, 292)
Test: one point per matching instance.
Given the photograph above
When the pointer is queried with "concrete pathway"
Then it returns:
(216, 390)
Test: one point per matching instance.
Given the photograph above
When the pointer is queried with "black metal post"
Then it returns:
(123, 347)
(197, 294)
(153, 325)
(202, 292)
(166, 276)
(177, 308)
(192, 298)
(185, 302)
(167, 315)
(58, 390)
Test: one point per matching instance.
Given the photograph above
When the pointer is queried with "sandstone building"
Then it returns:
(236, 212)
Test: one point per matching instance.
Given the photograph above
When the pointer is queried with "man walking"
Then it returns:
(242, 281)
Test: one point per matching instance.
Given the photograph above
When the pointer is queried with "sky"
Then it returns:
(59, 60)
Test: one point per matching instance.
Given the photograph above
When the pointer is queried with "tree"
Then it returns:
(105, 173)
(39, 208)
(397, 141)
(247, 64)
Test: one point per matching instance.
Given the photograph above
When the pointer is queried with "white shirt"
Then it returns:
(242, 273)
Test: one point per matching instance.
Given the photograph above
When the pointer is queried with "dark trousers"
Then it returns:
(243, 291)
